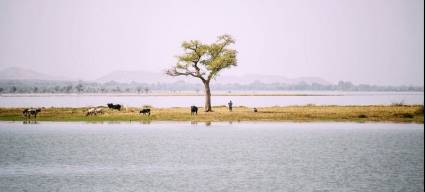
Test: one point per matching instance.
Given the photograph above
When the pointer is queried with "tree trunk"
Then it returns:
(207, 97)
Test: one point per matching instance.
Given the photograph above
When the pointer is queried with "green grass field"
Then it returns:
(393, 113)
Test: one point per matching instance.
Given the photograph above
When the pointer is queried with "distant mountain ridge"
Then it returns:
(15, 73)
(136, 76)
(151, 77)
(249, 78)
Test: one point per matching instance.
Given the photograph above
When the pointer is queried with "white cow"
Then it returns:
(91, 111)
(98, 111)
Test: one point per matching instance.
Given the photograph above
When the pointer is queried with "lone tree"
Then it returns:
(205, 61)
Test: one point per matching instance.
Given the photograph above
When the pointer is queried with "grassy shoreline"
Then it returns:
(308, 113)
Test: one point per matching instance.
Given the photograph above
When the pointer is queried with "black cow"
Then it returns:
(145, 112)
(31, 112)
(116, 106)
(193, 110)
(26, 113)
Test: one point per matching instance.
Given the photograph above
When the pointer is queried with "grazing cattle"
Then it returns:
(193, 110)
(255, 110)
(94, 111)
(31, 112)
(145, 112)
(25, 113)
(98, 111)
(91, 111)
(116, 106)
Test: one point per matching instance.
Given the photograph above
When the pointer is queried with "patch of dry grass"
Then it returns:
(392, 113)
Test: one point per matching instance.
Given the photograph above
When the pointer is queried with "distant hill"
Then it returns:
(151, 77)
(15, 73)
(250, 78)
(136, 76)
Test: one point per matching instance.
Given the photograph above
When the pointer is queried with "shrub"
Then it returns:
(362, 116)
(407, 115)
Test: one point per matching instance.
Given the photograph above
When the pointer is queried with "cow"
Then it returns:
(255, 110)
(98, 111)
(31, 112)
(91, 111)
(34, 112)
(193, 110)
(145, 112)
(26, 113)
(116, 106)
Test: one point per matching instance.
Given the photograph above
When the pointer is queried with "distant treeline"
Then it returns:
(44, 86)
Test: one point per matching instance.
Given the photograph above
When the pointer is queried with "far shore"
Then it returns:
(161, 94)
(308, 113)
(216, 93)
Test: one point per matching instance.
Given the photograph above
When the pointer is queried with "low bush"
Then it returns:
(362, 116)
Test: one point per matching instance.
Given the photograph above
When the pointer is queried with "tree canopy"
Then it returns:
(205, 61)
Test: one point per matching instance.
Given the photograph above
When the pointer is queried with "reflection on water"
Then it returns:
(226, 156)
(148, 121)
(28, 121)
(143, 121)
(209, 123)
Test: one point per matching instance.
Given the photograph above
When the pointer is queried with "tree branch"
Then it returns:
(174, 72)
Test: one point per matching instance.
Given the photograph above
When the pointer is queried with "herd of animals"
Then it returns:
(29, 112)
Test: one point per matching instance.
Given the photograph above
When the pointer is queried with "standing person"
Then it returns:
(230, 105)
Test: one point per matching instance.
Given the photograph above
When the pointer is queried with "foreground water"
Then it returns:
(211, 157)
(321, 98)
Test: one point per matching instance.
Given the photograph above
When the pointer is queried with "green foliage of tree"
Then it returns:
(205, 61)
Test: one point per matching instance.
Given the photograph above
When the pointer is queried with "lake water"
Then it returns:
(168, 156)
(329, 98)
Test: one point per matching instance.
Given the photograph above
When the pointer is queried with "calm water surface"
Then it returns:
(218, 157)
(328, 98)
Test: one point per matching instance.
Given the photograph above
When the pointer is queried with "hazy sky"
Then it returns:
(364, 41)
